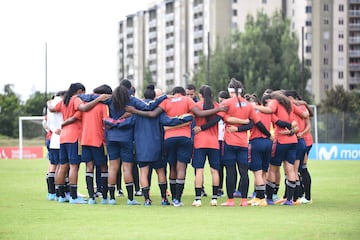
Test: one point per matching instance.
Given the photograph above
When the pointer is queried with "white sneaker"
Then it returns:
(213, 202)
(303, 200)
(196, 203)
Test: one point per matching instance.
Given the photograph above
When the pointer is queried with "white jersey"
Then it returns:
(221, 125)
(54, 121)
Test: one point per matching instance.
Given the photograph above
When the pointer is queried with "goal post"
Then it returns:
(21, 119)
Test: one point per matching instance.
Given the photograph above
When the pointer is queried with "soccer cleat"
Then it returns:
(275, 197)
(287, 203)
(258, 202)
(147, 202)
(269, 202)
(177, 203)
(51, 196)
(104, 201)
(237, 194)
(91, 201)
(213, 202)
(120, 193)
(111, 202)
(165, 202)
(220, 193)
(280, 201)
(77, 201)
(132, 202)
(253, 195)
(196, 203)
(138, 193)
(244, 202)
(303, 200)
(62, 199)
(229, 203)
(67, 196)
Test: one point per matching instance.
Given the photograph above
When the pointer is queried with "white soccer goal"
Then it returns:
(38, 119)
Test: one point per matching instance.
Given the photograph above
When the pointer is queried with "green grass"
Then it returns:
(26, 214)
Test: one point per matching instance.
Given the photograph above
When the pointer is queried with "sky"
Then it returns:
(80, 37)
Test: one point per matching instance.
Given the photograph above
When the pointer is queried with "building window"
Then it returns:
(308, 62)
(308, 9)
(234, 12)
(308, 36)
(341, 35)
(326, 7)
(341, 7)
(341, 48)
(326, 21)
(264, 1)
(325, 48)
(341, 21)
(326, 61)
(326, 75)
(341, 75)
(308, 49)
(308, 23)
(234, 1)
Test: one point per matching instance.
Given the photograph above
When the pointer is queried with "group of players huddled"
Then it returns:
(239, 132)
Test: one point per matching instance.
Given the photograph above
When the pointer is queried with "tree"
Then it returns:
(263, 56)
(9, 112)
(341, 112)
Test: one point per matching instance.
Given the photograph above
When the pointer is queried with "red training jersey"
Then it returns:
(93, 127)
(209, 137)
(71, 132)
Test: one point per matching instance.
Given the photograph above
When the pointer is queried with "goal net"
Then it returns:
(31, 137)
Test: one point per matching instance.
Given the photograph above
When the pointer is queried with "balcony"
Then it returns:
(169, 52)
(152, 67)
(354, 53)
(152, 45)
(354, 26)
(152, 23)
(169, 76)
(169, 17)
(354, 66)
(354, 1)
(198, 8)
(169, 29)
(170, 64)
(354, 39)
(354, 80)
(198, 34)
(198, 46)
(170, 40)
(198, 21)
(129, 30)
(152, 34)
(354, 13)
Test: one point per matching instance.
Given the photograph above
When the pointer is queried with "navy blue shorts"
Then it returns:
(260, 151)
(200, 155)
(69, 153)
(300, 151)
(284, 152)
(54, 156)
(96, 154)
(122, 150)
(308, 148)
(154, 165)
(178, 149)
(235, 154)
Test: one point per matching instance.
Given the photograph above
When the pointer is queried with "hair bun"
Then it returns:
(151, 87)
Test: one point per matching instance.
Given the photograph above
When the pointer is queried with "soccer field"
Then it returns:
(26, 214)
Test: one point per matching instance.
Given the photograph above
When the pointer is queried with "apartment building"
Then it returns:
(170, 36)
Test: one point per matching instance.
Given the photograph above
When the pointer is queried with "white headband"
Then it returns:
(232, 90)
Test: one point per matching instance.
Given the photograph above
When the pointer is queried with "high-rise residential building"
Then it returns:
(168, 38)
